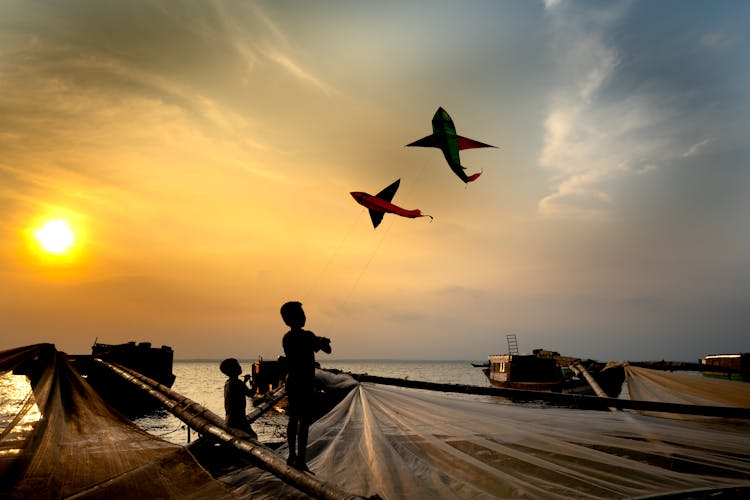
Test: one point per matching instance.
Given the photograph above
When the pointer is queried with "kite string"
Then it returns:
(419, 176)
(332, 322)
(369, 260)
(314, 284)
(348, 297)
(382, 239)
(387, 230)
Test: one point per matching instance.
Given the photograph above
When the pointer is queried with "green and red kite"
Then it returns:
(445, 138)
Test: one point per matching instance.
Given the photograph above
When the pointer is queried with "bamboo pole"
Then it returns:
(579, 369)
(270, 402)
(209, 424)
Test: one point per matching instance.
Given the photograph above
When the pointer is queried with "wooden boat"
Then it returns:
(63, 441)
(153, 362)
(549, 371)
(731, 366)
(269, 375)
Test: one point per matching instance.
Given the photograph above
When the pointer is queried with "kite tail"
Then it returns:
(425, 215)
(473, 177)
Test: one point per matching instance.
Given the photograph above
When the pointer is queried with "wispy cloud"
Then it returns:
(267, 40)
(621, 107)
(110, 91)
(716, 40)
(699, 148)
(294, 69)
(589, 140)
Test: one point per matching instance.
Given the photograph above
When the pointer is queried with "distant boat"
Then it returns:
(269, 375)
(731, 366)
(549, 371)
(153, 362)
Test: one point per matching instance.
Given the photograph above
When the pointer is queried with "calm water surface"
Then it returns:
(15, 394)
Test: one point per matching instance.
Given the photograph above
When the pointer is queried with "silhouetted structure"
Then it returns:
(153, 362)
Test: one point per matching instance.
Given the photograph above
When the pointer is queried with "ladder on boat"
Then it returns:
(512, 343)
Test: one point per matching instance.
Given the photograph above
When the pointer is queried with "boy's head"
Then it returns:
(230, 367)
(293, 315)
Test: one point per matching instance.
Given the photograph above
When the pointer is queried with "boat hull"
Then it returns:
(548, 371)
(153, 362)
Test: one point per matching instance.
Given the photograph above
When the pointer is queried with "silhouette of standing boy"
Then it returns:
(300, 347)
(235, 392)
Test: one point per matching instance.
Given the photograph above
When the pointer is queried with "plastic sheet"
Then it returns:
(670, 387)
(393, 442)
(78, 447)
(405, 443)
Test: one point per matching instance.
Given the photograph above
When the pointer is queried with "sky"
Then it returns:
(203, 153)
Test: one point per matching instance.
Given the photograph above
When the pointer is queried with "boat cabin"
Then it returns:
(520, 368)
(731, 366)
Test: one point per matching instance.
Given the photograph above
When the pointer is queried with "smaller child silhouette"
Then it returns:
(235, 392)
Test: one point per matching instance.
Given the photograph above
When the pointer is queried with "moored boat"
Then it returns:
(153, 362)
(731, 366)
(549, 371)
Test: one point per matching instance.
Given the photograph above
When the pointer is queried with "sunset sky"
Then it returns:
(203, 154)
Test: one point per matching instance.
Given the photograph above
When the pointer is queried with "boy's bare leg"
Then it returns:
(291, 439)
(304, 427)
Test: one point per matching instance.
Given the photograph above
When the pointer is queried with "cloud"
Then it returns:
(699, 148)
(621, 106)
(592, 138)
(293, 68)
(716, 41)
(575, 197)
(587, 147)
(267, 40)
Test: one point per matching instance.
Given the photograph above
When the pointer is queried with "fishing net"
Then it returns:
(58, 439)
(669, 387)
(407, 443)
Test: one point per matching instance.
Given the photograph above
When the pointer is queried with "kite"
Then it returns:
(379, 204)
(444, 137)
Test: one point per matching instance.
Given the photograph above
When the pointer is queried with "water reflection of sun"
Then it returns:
(17, 399)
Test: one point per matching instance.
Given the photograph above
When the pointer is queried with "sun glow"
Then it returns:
(55, 236)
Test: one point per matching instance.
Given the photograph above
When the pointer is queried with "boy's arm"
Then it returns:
(323, 344)
(249, 391)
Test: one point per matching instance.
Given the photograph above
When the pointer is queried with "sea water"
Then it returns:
(201, 381)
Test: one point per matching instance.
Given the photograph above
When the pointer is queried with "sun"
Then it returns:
(57, 240)
(56, 237)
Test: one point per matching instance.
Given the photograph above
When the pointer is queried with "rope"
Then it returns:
(178, 428)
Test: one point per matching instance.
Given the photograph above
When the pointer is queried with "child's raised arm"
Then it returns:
(323, 344)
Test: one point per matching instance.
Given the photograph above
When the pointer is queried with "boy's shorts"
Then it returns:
(301, 402)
